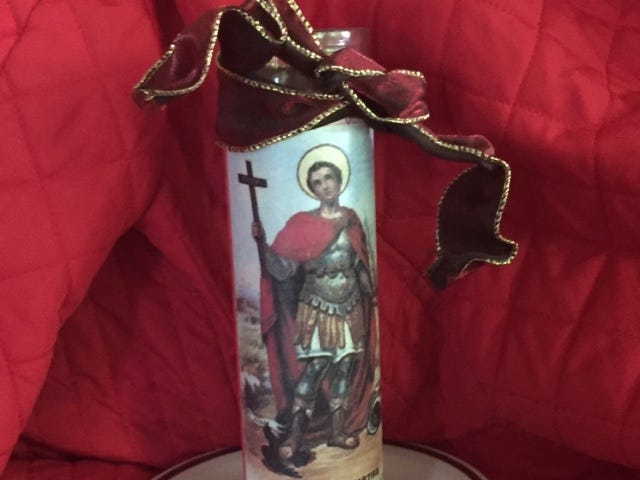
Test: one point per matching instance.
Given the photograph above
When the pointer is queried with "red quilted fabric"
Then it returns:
(116, 328)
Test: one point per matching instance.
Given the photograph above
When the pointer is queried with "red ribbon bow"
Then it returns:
(346, 83)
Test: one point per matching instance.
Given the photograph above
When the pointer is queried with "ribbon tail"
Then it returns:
(469, 218)
(470, 210)
(460, 148)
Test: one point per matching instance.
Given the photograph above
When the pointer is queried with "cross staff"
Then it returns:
(253, 182)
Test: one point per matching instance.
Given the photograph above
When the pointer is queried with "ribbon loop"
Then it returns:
(396, 96)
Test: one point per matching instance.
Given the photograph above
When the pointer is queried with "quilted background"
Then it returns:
(116, 328)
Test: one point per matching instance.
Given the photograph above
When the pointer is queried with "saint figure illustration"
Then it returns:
(317, 301)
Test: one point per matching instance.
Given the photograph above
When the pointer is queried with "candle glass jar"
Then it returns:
(302, 216)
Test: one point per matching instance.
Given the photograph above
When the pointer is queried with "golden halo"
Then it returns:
(323, 153)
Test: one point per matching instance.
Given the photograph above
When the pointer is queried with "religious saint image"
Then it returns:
(309, 372)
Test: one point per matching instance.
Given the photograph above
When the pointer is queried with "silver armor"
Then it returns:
(331, 280)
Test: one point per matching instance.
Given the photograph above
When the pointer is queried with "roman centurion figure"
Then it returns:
(317, 300)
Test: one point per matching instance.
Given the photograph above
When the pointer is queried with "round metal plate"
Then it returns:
(401, 462)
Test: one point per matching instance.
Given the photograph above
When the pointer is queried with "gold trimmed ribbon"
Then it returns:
(345, 83)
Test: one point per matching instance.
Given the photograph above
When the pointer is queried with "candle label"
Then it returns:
(304, 257)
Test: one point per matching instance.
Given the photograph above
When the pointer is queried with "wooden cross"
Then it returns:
(253, 182)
